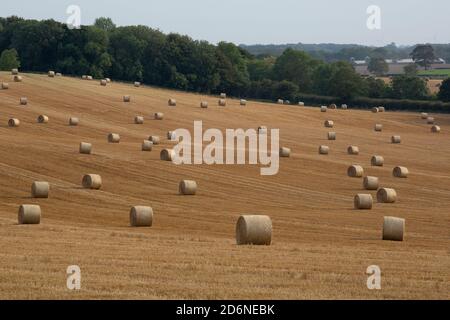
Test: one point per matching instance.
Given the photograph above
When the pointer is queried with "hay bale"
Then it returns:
(329, 124)
(103, 82)
(222, 102)
(137, 84)
(204, 104)
(58, 74)
(23, 101)
(187, 187)
(29, 214)
(375, 110)
(331, 135)
(393, 228)
(353, 150)
(51, 74)
(139, 120)
(378, 127)
(85, 148)
(430, 120)
(223, 95)
(126, 98)
(396, 139)
(243, 102)
(381, 109)
(89, 78)
(254, 230)
(285, 152)
(73, 121)
(424, 115)
(40, 189)
(171, 136)
(5, 85)
(323, 109)
(363, 201)
(386, 195)
(400, 172)
(262, 130)
(287, 102)
(13, 122)
(324, 150)
(84, 77)
(370, 183)
(141, 216)
(332, 106)
(355, 171)
(280, 101)
(18, 78)
(154, 139)
(172, 102)
(42, 119)
(14, 72)
(92, 181)
(147, 145)
(108, 80)
(113, 138)
(159, 115)
(435, 129)
(167, 155)
(344, 107)
(301, 104)
(377, 161)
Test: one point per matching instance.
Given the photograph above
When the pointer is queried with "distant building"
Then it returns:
(396, 66)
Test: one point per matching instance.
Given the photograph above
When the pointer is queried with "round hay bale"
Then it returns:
(331, 135)
(243, 102)
(285, 152)
(171, 136)
(424, 115)
(381, 109)
(139, 120)
(370, 183)
(396, 139)
(127, 98)
(13, 122)
(23, 101)
(400, 172)
(435, 129)
(355, 171)
(159, 115)
(430, 120)
(89, 78)
(18, 78)
(386, 195)
(377, 161)
(172, 102)
(254, 230)
(92, 181)
(363, 201)
(5, 85)
(324, 150)
(204, 104)
(108, 80)
(58, 74)
(141, 216)
(103, 82)
(329, 124)
(223, 95)
(323, 109)
(85, 148)
(262, 130)
(154, 139)
(74, 121)
(42, 119)
(167, 155)
(287, 102)
(393, 228)
(332, 106)
(280, 101)
(113, 138)
(84, 77)
(40, 189)
(353, 150)
(14, 72)
(29, 214)
(187, 187)
(222, 102)
(137, 84)
(147, 145)
(378, 127)
(375, 110)
(51, 74)
(301, 104)
(344, 107)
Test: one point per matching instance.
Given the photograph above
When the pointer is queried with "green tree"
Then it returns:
(410, 70)
(105, 24)
(9, 59)
(376, 88)
(285, 90)
(407, 87)
(378, 66)
(444, 91)
(423, 55)
(345, 82)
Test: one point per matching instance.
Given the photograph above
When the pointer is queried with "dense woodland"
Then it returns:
(140, 53)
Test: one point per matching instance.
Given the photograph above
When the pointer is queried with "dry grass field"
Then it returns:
(321, 246)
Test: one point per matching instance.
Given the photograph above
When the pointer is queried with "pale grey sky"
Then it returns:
(261, 21)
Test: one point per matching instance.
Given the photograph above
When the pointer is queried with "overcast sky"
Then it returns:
(261, 21)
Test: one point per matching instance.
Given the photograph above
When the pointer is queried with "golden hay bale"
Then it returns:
(344, 107)
(435, 129)
(381, 109)
(400, 172)
(323, 109)
(18, 78)
(204, 104)
(353, 150)
(13, 122)
(139, 120)
(29, 214)
(155, 139)
(167, 155)
(386, 195)
(378, 127)
(42, 119)
(74, 121)
(159, 115)
(108, 80)
(331, 135)
(126, 98)
(363, 201)
(40, 189)
(113, 138)
(329, 124)
(280, 101)
(223, 95)
(243, 102)
(430, 120)
(396, 139)
(287, 102)
(332, 106)
(375, 110)
(92, 181)
(254, 230)
(5, 85)
(137, 84)
(14, 72)
(147, 145)
(84, 77)
(424, 115)
(370, 183)
(58, 74)
(85, 148)
(187, 187)
(222, 102)
(285, 152)
(355, 171)
(301, 104)
(377, 161)
(172, 102)
(23, 101)
(393, 228)
(103, 82)
(141, 216)
(324, 150)
(51, 74)
(89, 78)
